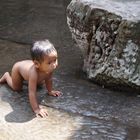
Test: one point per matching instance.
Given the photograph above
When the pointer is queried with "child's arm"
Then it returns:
(49, 84)
(33, 96)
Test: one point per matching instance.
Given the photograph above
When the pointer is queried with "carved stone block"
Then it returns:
(108, 34)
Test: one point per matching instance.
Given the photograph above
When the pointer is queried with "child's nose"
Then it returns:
(55, 65)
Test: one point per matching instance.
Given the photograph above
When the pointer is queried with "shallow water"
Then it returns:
(85, 111)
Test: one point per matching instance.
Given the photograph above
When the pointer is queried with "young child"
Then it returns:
(37, 71)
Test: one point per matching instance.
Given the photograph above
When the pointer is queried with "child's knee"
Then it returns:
(6, 74)
(16, 88)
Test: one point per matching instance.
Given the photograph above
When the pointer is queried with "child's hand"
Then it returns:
(41, 112)
(54, 93)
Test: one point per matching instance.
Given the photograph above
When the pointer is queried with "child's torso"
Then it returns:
(24, 69)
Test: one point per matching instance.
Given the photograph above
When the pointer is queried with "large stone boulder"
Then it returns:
(108, 34)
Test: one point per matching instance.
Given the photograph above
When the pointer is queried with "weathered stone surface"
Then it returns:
(108, 33)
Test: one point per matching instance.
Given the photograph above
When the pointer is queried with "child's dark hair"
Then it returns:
(41, 48)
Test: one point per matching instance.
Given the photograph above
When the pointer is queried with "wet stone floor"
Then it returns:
(85, 111)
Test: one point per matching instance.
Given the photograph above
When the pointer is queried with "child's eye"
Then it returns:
(49, 63)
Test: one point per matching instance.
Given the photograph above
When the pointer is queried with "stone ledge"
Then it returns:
(108, 34)
(127, 9)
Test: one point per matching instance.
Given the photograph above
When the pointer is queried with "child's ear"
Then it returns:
(37, 64)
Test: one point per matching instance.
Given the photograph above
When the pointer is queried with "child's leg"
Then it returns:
(15, 80)
(4, 77)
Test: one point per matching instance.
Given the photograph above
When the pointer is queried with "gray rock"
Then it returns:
(108, 34)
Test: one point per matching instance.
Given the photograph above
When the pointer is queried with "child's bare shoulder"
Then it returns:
(23, 63)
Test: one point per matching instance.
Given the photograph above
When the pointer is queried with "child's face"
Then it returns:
(50, 63)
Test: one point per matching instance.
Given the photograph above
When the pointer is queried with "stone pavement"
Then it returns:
(85, 111)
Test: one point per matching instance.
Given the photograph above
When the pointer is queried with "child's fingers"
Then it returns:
(39, 115)
(55, 93)
(42, 113)
(58, 93)
(46, 114)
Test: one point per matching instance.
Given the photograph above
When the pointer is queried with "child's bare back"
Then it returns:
(22, 68)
